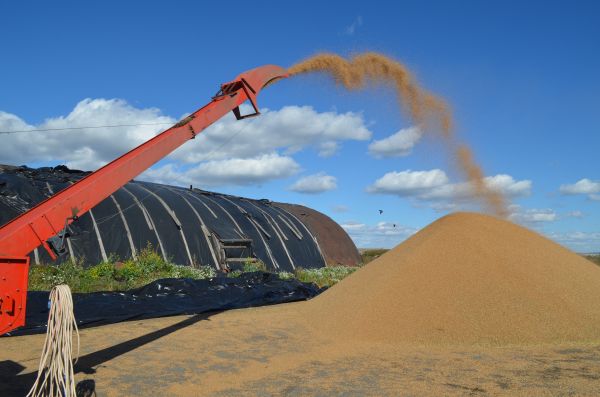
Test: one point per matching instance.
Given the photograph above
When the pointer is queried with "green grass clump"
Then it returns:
(113, 275)
(593, 258)
(249, 266)
(286, 275)
(254, 266)
(325, 276)
(368, 255)
(43, 277)
(149, 266)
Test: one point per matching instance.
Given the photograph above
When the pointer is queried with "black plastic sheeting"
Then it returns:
(187, 226)
(168, 297)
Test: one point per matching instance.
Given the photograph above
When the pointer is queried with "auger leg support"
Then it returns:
(14, 274)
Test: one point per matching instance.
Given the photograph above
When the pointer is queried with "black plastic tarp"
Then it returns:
(187, 226)
(169, 297)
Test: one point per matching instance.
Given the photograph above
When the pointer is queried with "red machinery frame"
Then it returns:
(39, 225)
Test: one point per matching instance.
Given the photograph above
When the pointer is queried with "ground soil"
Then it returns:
(513, 321)
(272, 351)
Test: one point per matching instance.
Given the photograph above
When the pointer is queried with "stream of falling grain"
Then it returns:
(428, 111)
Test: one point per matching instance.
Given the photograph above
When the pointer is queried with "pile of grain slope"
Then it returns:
(467, 279)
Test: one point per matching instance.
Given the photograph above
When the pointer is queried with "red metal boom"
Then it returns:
(35, 227)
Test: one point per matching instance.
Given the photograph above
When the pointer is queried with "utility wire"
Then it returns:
(123, 210)
(83, 128)
(207, 158)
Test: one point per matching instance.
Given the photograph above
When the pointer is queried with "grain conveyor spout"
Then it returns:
(251, 82)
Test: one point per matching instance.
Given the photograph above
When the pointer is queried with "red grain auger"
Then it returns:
(46, 224)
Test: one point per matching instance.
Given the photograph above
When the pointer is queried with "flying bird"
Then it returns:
(380, 212)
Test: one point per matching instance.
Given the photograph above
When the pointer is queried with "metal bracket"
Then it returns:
(231, 90)
(57, 243)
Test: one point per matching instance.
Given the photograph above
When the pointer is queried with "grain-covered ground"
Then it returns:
(271, 351)
(471, 305)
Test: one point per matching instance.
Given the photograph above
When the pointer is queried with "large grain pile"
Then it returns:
(467, 279)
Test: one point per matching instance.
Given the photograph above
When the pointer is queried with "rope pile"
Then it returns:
(55, 373)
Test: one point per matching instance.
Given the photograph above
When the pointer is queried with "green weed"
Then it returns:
(325, 276)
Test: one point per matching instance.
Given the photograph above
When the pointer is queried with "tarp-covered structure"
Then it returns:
(185, 225)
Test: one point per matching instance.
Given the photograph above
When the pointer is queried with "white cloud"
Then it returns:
(380, 235)
(439, 206)
(575, 214)
(583, 186)
(317, 183)
(541, 216)
(398, 144)
(502, 183)
(351, 29)
(531, 216)
(228, 152)
(328, 148)
(507, 185)
(349, 226)
(250, 171)
(409, 183)
(341, 208)
(436, 186)
(290, 129)
(86, 148)
(578, 241)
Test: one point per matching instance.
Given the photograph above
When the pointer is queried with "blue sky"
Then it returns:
(521, 79)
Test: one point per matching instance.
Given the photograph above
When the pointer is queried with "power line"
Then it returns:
(82, 128)
(208, 156)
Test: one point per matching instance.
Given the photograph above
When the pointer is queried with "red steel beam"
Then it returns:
(34, 227)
